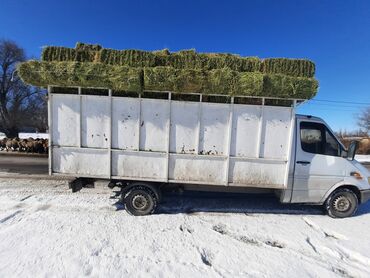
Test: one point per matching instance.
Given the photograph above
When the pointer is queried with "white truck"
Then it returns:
(142, 142)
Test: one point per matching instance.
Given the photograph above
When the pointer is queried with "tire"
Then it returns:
(341, 203)
(140, 201)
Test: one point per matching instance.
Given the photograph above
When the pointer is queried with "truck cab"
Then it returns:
(324, 171)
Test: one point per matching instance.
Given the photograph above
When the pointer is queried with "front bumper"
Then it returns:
(365, 196)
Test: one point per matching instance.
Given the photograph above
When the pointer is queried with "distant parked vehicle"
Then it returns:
(212, 143)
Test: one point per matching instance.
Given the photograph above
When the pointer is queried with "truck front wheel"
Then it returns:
(342, 203)
(140, 201)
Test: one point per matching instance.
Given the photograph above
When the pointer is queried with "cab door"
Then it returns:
(318, 164)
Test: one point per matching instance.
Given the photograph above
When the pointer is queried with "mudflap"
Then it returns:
(79, 183)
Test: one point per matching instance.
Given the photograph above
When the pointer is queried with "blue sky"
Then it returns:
(334, 34)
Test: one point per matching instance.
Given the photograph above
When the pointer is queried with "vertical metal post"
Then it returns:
(229, 141)
(110, 132)
(290, 144)
(139, 125)
(199, 125)
(260, 129)
(50, 126)
(80, 118)
(168, 136)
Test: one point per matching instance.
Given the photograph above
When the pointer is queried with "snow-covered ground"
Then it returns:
(363, 158)
(47, 231)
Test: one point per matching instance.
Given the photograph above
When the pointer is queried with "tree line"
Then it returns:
(22, 106)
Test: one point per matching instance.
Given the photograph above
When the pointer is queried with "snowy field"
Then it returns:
(47, 231)
(363, 158)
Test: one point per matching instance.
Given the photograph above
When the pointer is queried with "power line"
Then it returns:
(339, 101)
(338, 105)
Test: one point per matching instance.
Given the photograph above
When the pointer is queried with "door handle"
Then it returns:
(303, 162)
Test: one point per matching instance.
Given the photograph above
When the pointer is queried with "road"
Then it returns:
(23, 164)
(29, 164)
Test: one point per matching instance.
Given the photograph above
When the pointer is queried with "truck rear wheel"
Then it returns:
(342, 203)
(140, 201)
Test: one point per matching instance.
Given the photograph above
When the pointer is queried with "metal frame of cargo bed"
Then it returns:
(295, 103)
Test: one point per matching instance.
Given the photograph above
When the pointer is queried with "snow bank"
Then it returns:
(362, 158)
(23, 135)
(48, 231)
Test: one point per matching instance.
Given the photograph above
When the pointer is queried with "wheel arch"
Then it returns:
(351, 187)
(154, 187)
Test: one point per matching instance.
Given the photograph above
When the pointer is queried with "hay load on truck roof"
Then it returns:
(185, 71)
(145, 121)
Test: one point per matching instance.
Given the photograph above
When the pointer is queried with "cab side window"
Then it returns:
(316, 138)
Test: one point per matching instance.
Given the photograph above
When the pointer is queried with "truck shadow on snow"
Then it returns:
(206, 202)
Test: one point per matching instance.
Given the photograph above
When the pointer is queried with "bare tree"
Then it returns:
(19, 102)
(363, 120)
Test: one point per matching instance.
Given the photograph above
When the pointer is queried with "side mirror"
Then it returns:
(353, 146)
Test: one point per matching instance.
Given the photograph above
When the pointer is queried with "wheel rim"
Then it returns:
(139, 202)
(341, 204)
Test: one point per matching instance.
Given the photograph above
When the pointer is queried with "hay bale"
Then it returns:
(86, 46)
(183, 59)
(287, 86)
(219, 81)
(43, 74)
(129, 57)
(291, 67)
(123, 78)
(60, 54)
(53, 53)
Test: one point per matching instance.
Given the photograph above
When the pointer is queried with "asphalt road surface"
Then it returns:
(23, 164)
(30, 164)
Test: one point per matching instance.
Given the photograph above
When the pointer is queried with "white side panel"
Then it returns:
(199, 168)
(184, 123)
(244, 137)
(214, 128)
(154, 125)
(95, 121)
(77, 161)
(275, 135)
(139, 165)
(260, 173)
(125, 123)
(65, 118)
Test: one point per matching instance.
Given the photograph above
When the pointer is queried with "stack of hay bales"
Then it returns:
(184, 71)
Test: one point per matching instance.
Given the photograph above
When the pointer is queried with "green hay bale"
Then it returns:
(89, 47)
(250, 84)
(60, 54)
(219, 81)
(53, 53)
(176, 80)
(291, 67)
(291, 87)
(123, 78)
(43, 74)
(183, 59)
(130, 57)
